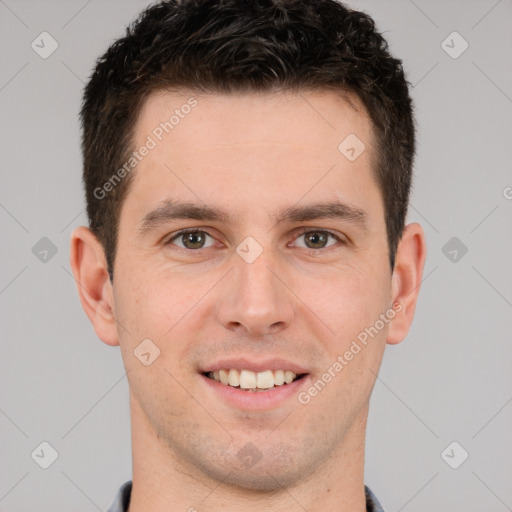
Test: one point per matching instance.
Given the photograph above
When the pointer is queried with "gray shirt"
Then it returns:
(122, 499)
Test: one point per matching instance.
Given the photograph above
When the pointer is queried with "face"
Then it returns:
(249, 243)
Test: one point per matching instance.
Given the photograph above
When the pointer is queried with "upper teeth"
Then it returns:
(248, 379)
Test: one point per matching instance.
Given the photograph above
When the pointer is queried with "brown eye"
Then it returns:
(191, 240)
(318, 239)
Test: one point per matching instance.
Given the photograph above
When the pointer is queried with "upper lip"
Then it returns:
(244, 363)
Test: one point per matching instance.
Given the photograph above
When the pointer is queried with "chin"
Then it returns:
(265, 471)
(263, 478)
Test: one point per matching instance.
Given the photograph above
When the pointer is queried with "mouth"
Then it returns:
(250, 381)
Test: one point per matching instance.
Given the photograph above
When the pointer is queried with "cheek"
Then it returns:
(350, 305)
(155, 304)
(347, 301)
(154, 309)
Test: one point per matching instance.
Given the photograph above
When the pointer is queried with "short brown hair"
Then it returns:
(222, 46)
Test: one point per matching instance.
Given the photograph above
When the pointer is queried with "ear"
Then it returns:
(406, 281)
(89, 267)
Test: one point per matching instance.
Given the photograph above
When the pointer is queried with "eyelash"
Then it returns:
(302, 232)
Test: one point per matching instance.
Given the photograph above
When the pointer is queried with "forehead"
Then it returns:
(253, 148)
(306, 117)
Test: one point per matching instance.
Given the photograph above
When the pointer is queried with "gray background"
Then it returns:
(450, 380)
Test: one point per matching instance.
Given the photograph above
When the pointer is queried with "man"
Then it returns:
(247, 167)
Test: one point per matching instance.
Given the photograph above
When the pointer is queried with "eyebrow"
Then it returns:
(174, 210)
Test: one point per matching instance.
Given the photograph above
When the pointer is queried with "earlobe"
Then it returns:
(88, 263)
(406, 281)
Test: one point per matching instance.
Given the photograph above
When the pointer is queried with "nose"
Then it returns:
(255, 301)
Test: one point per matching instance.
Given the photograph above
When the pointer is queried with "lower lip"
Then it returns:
(256, 400)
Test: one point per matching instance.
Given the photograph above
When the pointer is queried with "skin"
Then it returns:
(252, 155)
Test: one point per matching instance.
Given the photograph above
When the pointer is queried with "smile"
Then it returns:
(249, 380)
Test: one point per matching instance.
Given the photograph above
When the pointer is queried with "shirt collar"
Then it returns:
(372, 503)
(122, 499)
